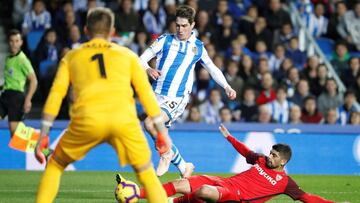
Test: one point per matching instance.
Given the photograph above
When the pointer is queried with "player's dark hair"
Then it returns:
(100, 21)
(284, 151)
(186, 12)
(13, 32)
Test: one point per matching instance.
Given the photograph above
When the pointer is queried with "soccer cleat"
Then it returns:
(164, 163)
(189, 168)
(119, 178)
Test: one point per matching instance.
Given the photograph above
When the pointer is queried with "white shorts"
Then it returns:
(173, 107)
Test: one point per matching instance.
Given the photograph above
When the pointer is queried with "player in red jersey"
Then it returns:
(260, 183)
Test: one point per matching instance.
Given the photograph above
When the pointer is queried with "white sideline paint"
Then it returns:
(260, 142)
(33, 164)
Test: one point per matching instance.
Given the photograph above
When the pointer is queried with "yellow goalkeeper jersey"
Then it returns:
(102, 75)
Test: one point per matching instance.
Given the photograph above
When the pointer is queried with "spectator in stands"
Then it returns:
(37, 19)
(295, 54)
(310, 71)
(319, 85)
(302, 91)
(154, 19)
(247, 72)
(82, 13)
(349, 106)
(285, 66)
(340, 10)
(349, 75)
(194, 115)
(318, 23)
(291, 80)
(75, 37)
(236, 51)
(263, 67)
(267, 93)
(231, 75)
(141, 6)
(284, 35)
(47, 54)
(310, 113)
(295, 114)
(354, 118)
(340, 58)
(126, 19)
(224, 33)
(247, 111)
(140, 42)
(356, 87)
(259, 32)
(210, 108)
(219, 61)
(331, 98)
(64, 30)
(225, 115)
(276, 16)
(349, 26)
(264, 115)
(246, 22)
(261, 51)
(193, 4)
(277, 58)
(222, 8)
(202, 25)
(60, 14)
(331, 116)
(20, 7)
(280, 108)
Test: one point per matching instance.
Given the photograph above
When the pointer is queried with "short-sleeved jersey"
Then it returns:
(176, 60)
(17, 69)
(102, 75)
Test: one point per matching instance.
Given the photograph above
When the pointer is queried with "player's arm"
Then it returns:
(52, 105)
(239, 146)
(216, 74)
(294, 191)
(150, 53)
(147, 99)
(33, 82)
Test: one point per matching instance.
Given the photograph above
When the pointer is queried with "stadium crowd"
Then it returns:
(253, 42)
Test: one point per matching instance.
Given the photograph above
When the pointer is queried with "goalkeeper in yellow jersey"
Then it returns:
(101, 74)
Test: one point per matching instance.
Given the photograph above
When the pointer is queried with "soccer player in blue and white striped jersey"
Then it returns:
(176, 56)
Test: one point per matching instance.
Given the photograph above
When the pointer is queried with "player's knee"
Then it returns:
(203, 192)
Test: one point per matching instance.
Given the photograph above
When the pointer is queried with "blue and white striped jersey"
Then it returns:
(176, 60)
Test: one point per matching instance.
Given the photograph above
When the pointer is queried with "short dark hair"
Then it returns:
(186, 12)
(284, 150)
(100, 20)
(13, 32)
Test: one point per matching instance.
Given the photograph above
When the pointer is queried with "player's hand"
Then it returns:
(41, 145)
(231, 94)
(224, 131)
(27, 105)
(153, 73)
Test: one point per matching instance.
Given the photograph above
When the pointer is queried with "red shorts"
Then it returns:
(226, 192)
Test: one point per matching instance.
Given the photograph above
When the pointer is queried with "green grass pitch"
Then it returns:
(94, 186)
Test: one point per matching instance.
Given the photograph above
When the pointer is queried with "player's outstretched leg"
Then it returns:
(50, 181)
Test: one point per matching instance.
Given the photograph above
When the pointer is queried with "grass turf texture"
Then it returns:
(79, 187)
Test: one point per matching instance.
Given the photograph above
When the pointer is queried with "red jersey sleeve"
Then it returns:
(251, 157)
(294, 191)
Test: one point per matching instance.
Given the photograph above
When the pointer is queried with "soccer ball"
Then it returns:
(127, 192)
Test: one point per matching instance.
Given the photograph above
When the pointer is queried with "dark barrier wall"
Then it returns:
(317, 149)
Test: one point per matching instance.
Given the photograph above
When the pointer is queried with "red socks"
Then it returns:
(169, 189)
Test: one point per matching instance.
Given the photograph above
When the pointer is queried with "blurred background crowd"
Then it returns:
(289, 61)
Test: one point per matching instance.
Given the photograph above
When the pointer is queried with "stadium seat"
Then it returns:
(44, 67)
(33, 38)
(326, 45)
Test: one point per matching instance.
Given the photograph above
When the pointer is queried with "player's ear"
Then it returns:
(192, 25)
(86, 31)
(112, 31)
